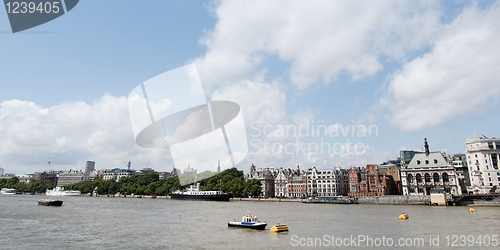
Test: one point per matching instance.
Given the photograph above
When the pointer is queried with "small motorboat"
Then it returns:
(249, 221)
(472, 210)
(403, 216)
(51, 203)
(279, 228)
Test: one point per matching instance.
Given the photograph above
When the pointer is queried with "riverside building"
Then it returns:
(327, 183)
(266, 177)
(427, 171)
(370, 181)
(482, 158)
(71, 177)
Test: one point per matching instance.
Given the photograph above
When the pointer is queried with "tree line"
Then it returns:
(229, 181)
(36, 187)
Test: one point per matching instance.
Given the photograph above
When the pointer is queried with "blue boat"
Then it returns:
(249, 221)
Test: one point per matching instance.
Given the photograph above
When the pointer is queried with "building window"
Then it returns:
(418, 162)
(490, 145)
(494, 161)
(427, 178)
(410, 178)
(435, 176)
(427, 162)
(419, 179)
(435, 161)
(445, 178)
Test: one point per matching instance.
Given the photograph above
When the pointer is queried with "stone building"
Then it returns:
(427, 171)
(71, 177)
(483, 160)
(327, 183)
(118, 173)
(280, 182)
(46, 177)
(266, 177)
(459, 162)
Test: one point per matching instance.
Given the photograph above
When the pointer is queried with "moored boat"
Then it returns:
(8, 191)
(194, 193)
(249, 221)
(331, 200)
(58, 191)
(52, 203)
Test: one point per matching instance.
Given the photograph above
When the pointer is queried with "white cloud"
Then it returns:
(72, 132)
(261, 103)
(455, 78)
(321, 39)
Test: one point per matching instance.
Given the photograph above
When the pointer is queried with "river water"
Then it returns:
(132, 223)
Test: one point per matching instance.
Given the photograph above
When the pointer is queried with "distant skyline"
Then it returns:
(371, 78)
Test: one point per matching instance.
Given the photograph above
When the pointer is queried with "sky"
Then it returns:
(321, 84)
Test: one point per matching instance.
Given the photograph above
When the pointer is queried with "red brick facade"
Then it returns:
(370, 182)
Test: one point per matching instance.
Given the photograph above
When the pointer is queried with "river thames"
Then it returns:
(132, 223)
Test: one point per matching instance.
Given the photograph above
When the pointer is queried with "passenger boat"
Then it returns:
(249, 221)
(194, 193)
(58, 191)
(8, 191)
(52, 203)
(330, 200)
(279, 228)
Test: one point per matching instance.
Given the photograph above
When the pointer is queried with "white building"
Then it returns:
(429, 170)
(482, 158)
(280, 182)
(117, 173)
(290, 183)
(327, 183)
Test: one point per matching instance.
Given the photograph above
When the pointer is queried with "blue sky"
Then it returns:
(412, 70)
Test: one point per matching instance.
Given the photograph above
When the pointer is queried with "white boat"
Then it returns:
(249, 221)
(194, 193)
(8, 191)
(58, 191)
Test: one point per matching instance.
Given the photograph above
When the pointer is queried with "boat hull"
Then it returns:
(257, 226)
(8, 191)
(58, 191)
(345, 202)
(218, 197)
(50, 203)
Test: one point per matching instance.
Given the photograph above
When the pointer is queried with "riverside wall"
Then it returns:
(396, 200)
(381, 200)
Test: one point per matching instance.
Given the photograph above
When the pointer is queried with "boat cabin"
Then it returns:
(250, 219)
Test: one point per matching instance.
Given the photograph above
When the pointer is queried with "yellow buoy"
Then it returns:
(472, 210)
(403, 216)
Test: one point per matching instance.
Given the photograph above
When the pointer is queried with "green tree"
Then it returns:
(12, 181)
